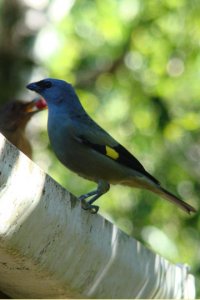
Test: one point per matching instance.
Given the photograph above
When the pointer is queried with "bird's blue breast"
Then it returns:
(57, 131)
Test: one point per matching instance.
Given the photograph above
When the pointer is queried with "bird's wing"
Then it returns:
(100, 141)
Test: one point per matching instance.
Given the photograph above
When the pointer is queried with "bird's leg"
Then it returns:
(85, 196)
(102, 188)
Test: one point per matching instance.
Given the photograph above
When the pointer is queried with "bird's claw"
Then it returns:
(87, 206)
(93, 209)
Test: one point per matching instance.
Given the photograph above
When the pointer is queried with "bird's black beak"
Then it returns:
(33, 87)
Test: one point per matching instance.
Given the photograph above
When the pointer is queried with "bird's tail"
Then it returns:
(172, 198)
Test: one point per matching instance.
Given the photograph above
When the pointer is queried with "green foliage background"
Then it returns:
(135, 65)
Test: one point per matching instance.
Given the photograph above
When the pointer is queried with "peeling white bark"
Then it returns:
(51, 248)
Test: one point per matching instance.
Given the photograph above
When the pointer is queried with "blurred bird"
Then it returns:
(14, 117)
(88, 150)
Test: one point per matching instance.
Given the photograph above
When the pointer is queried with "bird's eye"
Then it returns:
(45, 84)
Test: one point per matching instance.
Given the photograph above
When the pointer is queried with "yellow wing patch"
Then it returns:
(112, 153)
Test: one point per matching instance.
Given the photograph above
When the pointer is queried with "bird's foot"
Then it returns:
(93, 209)
(95, 194)
(87, 206)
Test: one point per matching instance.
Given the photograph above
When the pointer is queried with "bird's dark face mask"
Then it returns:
(40, 86)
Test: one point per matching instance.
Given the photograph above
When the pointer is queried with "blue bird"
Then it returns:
(88, 150)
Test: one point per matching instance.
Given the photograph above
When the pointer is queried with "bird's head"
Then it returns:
(59, 95)
(54, 91)
(16, 114)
